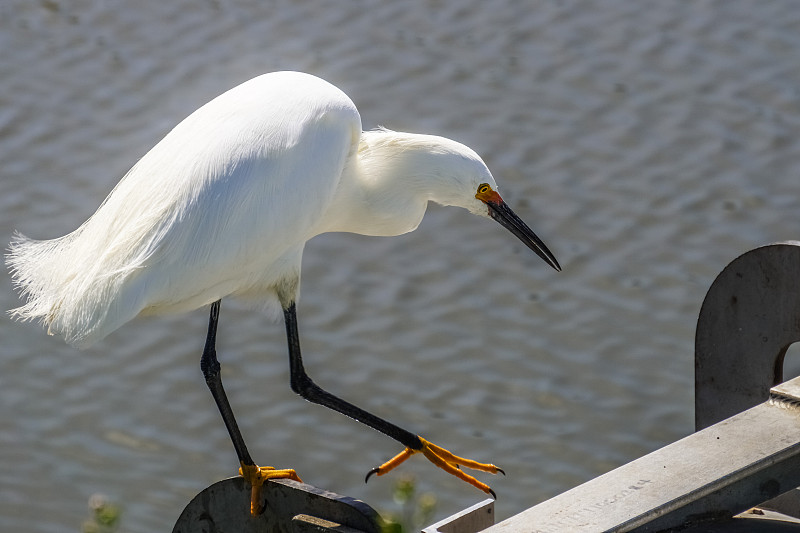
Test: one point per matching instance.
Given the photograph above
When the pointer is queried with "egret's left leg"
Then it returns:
(305, 387)
(255, 475)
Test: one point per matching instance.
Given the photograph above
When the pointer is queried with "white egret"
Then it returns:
(223, 206)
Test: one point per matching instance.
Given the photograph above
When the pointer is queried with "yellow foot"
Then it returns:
(256, 476)
(444, 460)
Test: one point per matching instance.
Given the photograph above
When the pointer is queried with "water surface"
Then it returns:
(648, 143)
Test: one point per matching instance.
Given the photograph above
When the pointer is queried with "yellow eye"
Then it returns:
(483, 188)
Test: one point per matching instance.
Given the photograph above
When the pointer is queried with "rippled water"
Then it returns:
(648, 143)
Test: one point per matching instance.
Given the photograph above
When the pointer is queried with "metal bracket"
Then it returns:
(225, 506)
(749, 318)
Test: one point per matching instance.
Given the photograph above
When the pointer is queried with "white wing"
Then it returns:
(222, 205)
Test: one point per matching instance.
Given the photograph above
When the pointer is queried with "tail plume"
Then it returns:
(69, 296)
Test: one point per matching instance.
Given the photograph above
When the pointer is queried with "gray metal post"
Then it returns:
(749, 318)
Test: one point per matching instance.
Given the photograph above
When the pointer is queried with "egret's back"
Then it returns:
(222, 205)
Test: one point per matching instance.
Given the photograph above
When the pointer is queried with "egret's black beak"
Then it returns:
(500, 211)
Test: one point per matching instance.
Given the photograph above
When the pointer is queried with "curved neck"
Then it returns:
(385, 187)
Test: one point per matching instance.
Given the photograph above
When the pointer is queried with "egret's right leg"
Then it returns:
(303, 385)
(255, 475)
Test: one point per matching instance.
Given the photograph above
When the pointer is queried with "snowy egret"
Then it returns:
(223, 206)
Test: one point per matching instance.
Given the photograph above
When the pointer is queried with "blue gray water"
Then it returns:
(648, 143)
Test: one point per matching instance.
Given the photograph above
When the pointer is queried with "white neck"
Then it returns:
(386, 185)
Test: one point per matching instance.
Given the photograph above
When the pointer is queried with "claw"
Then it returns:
(444, 460)
(256, 476)
(375, 470)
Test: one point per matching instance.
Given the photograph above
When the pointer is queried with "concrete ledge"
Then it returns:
(472, 519)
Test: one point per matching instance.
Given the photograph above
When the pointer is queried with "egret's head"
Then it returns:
(427, 167)
(467, 182)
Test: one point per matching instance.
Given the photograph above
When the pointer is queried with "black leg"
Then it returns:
(210, 367)
(302, 385)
